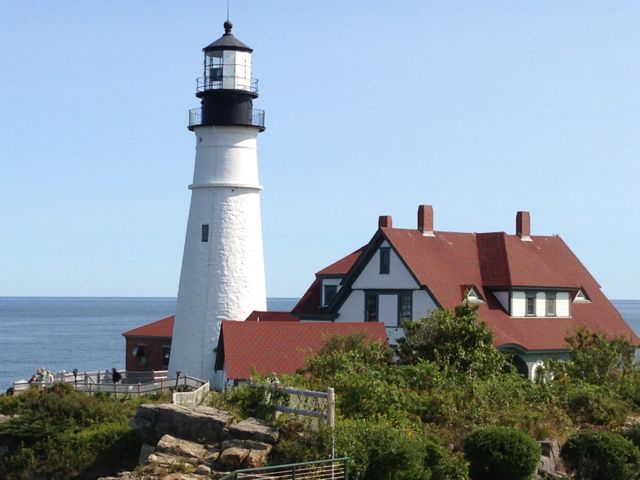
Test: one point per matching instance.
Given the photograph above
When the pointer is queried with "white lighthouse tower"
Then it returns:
(222, 274)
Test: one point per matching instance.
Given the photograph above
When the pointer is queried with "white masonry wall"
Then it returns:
(224, 277)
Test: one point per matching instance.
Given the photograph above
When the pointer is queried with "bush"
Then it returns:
(592, 404)
(378, 450)
(601, 456)
(501, 453)
(633, 434)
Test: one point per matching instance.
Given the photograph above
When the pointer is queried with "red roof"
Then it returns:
(160, 328)
(282, 347)
(263, 316)
(310, 302)
(447, 260)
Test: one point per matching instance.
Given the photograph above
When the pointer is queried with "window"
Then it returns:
(385, 257)
(205, 233)
(371, 307)
(166, 353)
(531, 304)
(551, 304)
(329, 293)
(140, 353)
(404, 307)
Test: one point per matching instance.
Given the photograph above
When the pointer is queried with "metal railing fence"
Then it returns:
(337, 469)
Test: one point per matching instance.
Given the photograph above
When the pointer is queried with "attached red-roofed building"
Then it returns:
(280, 347)
(531, 291)
(148, 347)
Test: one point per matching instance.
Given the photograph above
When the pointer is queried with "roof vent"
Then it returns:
(385, 221)
(425, 220)
(523, 226)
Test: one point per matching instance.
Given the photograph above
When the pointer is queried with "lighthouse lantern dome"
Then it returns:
(227, 65)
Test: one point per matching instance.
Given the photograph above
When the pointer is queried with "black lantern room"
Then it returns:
(227, 88)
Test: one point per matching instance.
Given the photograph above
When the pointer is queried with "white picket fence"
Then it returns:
(191, 399)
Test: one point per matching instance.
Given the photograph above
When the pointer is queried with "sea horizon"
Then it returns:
(67, 332)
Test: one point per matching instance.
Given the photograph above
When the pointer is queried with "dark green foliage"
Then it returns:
(601, 456)
(633, 434)
(501, 453)
(455, 341)
(256, 401)
(60, 433)
(592, 404)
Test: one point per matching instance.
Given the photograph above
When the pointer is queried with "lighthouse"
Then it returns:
(222, 275)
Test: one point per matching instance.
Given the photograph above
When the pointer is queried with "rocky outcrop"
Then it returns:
(204, 424)
(254, 429)
(550, 466)
(201, 443)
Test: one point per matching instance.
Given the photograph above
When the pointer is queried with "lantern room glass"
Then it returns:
(227, 69)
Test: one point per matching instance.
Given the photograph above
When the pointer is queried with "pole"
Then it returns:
(331, 421)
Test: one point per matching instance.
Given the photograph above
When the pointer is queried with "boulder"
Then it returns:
(233, 456)
(550, 465)
(256, 458)
(254, 429)
(181, 448)
(203, 470)
(145, 451)
(204, 424)
(5, 418)
(166, 459)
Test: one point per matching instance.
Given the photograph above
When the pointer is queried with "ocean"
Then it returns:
(63, 333)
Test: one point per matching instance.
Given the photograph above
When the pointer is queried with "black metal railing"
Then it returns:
(257, 118)
(207, 83)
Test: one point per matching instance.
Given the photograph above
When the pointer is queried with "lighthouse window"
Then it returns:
(205, 233)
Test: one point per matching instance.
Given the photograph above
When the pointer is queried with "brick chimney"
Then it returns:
(425, 220)
(385, 221)
(523, 226)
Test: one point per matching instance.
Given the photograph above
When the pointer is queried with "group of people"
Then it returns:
(42, 376)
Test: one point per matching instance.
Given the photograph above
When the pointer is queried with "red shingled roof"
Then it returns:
(160, 328)
(263, 316)
(282, 347)
(447, 260)
(310, 303)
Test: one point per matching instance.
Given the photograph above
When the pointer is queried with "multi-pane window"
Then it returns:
(371, 307)
(551, 304)
(404, 307)
(205, 233)
(329, 293)
(531, 304)
(385, 260)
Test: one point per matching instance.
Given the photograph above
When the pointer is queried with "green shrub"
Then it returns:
(633, 434)
(379, 450)
(501, 453)
(601, 456)
(592, 404)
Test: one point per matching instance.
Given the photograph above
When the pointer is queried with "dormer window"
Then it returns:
(385, 260)
(531, 304)
(473, 296)
(329, 293)
(581, 297)
(551, 304)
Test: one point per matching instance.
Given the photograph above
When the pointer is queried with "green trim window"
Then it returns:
(531, 304)
(405, 306)
(329, 293)
(551, 304)
(371, 307)
(385, 260)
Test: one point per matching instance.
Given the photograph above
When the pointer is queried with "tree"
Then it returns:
(456, 341)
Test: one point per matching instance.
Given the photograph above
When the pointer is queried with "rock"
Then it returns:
(168, 459)
(256, 458)
(234, 456)
(247, 445)
(181, 448)
(550, 465)
(145, 451)
(254, 429)
(5, 418)
(203, 469)
(204, 424)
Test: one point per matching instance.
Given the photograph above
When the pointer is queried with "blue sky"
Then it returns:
(479, 108)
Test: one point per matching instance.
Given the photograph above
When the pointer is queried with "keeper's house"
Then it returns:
(532, 291)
